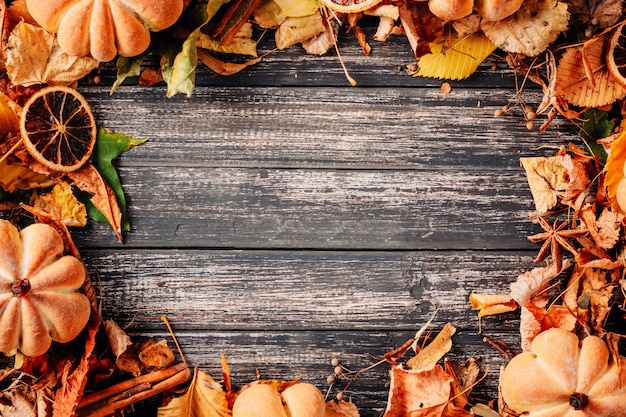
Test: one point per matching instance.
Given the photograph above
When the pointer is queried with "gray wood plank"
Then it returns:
(400, 128)
(320, 208)
(300, 290)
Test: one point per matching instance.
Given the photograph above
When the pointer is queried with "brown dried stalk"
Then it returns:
(124, 394)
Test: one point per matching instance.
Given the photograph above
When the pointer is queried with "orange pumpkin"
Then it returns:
(264, 400)
(105, 27)
(562, 377)
(40, 300)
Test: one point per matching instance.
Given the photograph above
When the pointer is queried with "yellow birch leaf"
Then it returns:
(204, 398)
(582, 78)
(457, 59)
(615, 174)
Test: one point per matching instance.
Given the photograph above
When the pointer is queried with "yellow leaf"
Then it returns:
(243, 44)
(490, 304)
(18, 177)
(297, 29)
(300, 8)
(9, 115)
(204, 398)
(615, 174)
(457, 59)
(61, 204)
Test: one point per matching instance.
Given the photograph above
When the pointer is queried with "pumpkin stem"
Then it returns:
(21, 287)
(578, 400)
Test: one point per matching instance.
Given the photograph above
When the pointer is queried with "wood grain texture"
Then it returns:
(300, 290)
(322, 208)
(341, 128)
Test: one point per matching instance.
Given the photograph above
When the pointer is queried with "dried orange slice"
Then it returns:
(616, 54)
(58, 128)
(349, 6)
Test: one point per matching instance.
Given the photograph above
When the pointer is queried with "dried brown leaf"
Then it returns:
(420, 26)
(429, 355)
(605, 230)
(531, 30)
(322, 42)
(156, 355)
(577, 178)
(204, 398)
(224, 68)
(119, 340)
(88, 179)
(583, 79)
(546, 178)
(34, 57)
(294, 30)
(341, 409)
(490, 304)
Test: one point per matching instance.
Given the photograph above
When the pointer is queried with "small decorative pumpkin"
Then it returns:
(264, 400)
(562, 377)
(40, 300)
(105, 27)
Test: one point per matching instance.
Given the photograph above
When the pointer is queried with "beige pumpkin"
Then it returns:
(105, 28)
(40, 300)
(562, 377)
(264, 400)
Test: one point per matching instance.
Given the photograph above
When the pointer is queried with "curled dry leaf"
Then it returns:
(61, 203)
(429, 355)
(546, 178)
(34, 57)
(531, 30)
(605, 230)
(582, 78)
(490, 304)
(294, 30)
(615, 174)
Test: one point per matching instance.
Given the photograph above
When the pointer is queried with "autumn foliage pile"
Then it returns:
(574, 50)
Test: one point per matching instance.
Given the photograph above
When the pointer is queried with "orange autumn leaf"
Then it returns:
(582, 78)
(615, 174)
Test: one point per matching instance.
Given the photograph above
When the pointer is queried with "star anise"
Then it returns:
(555, 238)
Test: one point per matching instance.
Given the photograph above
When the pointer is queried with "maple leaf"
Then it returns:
(61, 203)
(34, 57)
(204, 398)
(531, 29)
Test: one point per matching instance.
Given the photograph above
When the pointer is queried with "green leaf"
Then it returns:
(596, 126)
(109, 146)
(127, 67)
(180, 73)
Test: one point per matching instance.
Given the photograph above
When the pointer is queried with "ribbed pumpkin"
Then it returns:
(562, 377)
(40, 300)
(105, 28)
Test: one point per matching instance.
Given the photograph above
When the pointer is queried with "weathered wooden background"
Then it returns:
(283, 218)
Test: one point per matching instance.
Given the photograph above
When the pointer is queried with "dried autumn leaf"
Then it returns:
(204, 398)
(596, 286)
(490, 304)
(605, 230)
(156, 355)
(603, 13)
(429, 355)
(423, 393)
(582, 78)
(341, 409)
(455, 58)
(420, 25)
(242, 43)
(322, 42)
(615, 174)
(529, 31)
(577, 178)
(9, 114)
(19, 405)
(17, 177)
(290, 8)
(34, 57)
(61, 204)
(546, 178)
(89, 180)
(294, 30)
(224, 68)
(118, 338)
